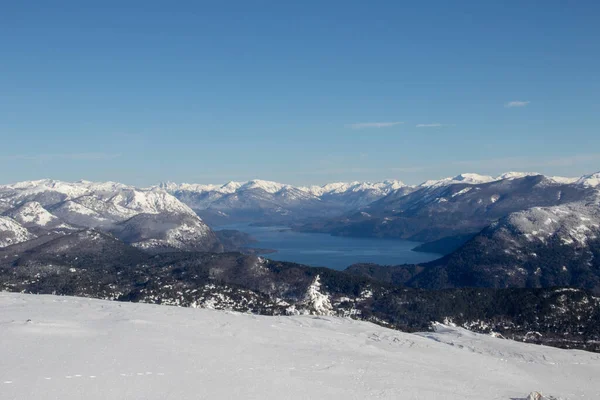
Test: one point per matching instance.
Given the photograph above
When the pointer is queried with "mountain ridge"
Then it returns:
(49, 207)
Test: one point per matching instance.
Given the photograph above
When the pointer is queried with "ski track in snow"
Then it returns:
(74, 348)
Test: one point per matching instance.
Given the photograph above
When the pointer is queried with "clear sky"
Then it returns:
(300, 92)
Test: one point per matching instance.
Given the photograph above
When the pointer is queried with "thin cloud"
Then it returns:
(366, 125)
(528, 162)
(436, 125)
(61, 156)
(516, 103)
(410, 169)
(360, 170)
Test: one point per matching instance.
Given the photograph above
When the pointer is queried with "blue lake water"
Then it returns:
(324, 250)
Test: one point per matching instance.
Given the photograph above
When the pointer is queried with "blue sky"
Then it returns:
(298, 92)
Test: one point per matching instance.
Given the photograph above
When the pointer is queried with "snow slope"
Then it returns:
(570, 223)
(73, 348)
(33, 215)
(11, 232)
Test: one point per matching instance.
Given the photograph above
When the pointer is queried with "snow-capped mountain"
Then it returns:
(592, 180)
(272, 202)
(475, 179)
(114, 199)
(257, 199)
(455, 207)
(377, 188)
(358, 194)
(50, 206)
(49, 191)
(468, 178)
(99, 208)
(459, 205)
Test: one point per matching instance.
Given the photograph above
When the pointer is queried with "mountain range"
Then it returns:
(515, 239)
(448, 208)
(336, 207)
(445, 212)
(146, 218)
(268, 202)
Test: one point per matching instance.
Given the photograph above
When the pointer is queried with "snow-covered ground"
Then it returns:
(75, 348)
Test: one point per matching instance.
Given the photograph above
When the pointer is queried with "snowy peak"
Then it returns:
(267, 186)
(45, 204)
(563, 180)
(32, 214)
(68, 189)
(592, 180)
(469, 178)
(227, 188)
(266, 200)
(152, 201)
(231, 186)
(473, 178)
(476, 179)
(384, 187)
(515, 175)
(275, 187)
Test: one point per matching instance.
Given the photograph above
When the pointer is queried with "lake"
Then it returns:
(336, 252)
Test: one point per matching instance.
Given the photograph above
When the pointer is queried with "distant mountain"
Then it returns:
(592, 180)
(453, 207)
(149, 218)
(468, 178)
(356, 194)
(272, 202)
